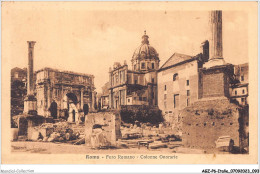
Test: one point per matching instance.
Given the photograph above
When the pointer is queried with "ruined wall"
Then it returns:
(106, 124)
(205, 121)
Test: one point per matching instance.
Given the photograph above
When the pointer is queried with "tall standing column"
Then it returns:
(93, 100)
(216, 50)
(81, 98)
(30, 84)
(30, 102)
(216, 75)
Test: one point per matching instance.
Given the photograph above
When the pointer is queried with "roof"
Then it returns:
(145, 51)
(176, 58)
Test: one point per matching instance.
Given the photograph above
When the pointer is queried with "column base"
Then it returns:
(30, 105)
(214, 62)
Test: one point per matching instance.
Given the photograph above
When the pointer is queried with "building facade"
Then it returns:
(104, 99)
(19, 74)
(178, 84)
(136, 86)
(64, 93)
(239, 91)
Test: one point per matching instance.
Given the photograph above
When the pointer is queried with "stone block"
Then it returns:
(105, 125)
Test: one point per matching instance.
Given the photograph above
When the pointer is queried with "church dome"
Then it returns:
(145, 50)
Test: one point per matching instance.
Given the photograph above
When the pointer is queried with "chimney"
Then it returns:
(216, 51)
(30, 81)
(205, 50)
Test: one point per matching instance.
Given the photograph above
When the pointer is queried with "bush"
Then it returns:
(143, 114)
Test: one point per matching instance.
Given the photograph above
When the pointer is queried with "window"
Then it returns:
(175, 77)
(165, 105)
(242, 78)
(187, 82)
(165, 96)
(134, 98)
(152, 80)
(128, 100)
(243, 91)
(144, 99)
(143, 65)
(188, 97)
(188, 102)
(117, 78)
(152, 65)
(235, 92)
(176, 100)
(242, 100)
(140, 98)
(165, 87)
(188, 92)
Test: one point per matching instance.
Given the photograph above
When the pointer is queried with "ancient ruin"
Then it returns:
(64, 94)
(214, 115)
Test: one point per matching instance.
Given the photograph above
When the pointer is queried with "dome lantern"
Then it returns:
(145, 38)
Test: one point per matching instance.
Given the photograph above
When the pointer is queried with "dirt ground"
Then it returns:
(64, 148)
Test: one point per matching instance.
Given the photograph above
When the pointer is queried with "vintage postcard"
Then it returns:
(129, 83)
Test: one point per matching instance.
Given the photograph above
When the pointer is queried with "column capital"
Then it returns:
(31, 43)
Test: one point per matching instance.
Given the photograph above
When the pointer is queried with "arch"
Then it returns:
(85, 109)
(70, 102)
(72, 97)
(53, 109)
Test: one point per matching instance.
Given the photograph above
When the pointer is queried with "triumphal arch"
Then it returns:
(64, 94)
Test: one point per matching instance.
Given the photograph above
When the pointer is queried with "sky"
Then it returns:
(89, 40)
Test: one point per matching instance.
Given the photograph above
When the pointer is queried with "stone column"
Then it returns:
(216, 50)
(30, 102)
(216, 35)
(110, 103)
(93, 100)
(30, 84)
(81, 98)
(49, 92)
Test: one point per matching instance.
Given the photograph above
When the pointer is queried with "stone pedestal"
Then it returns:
(215, 81)
(30, 105)
(214, 62)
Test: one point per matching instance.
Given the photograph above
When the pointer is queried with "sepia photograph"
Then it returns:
(129, 82)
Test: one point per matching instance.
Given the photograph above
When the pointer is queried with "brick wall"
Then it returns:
(215, 81)
(213, 85)
(205, 121)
